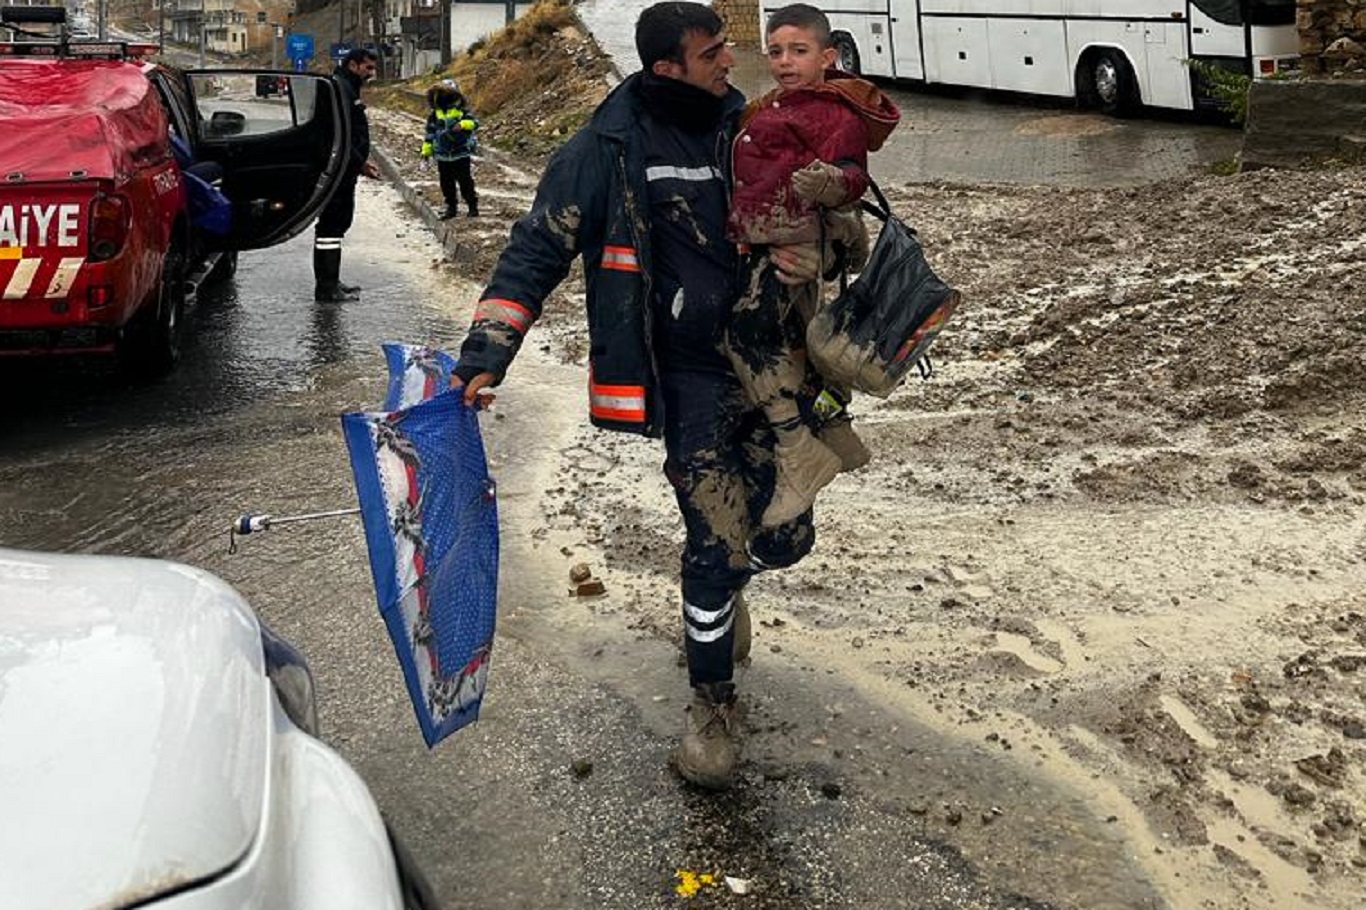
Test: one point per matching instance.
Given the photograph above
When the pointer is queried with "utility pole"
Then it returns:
(341, 21)
(161, 26)
(102, 12)
(445, 32)
(203, 29)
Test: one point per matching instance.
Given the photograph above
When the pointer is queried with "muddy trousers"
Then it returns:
(768, 325)
(457, 174)
(720, 464)
(333, 223)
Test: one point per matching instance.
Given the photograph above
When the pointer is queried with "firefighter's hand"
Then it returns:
(819, 183)
(796, 263)
(475, 396)
(370, 170)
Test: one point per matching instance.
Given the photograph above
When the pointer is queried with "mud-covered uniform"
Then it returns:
(641, 194)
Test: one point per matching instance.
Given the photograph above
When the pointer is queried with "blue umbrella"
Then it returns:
(431, 525)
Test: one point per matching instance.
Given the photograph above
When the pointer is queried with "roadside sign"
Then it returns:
(340, 49)
(299, 46)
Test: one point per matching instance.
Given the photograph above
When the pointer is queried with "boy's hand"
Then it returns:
(370, 169)
(819, 183)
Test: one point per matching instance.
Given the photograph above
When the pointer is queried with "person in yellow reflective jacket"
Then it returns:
(450, 141)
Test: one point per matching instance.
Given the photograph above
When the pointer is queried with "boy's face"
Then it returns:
(796, 58)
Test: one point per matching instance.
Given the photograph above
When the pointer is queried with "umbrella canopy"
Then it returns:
(431, 526)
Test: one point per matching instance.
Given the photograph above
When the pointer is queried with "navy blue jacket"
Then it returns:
(360, 121)
(591, 202)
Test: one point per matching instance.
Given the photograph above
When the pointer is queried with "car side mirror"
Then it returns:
(227, 123)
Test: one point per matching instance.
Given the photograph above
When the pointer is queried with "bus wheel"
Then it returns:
(1113, 84)
(846, 53)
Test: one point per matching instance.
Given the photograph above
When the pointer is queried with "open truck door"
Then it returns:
(278, 158)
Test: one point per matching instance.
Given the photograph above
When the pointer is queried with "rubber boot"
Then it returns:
(327, 288)
(710, 748)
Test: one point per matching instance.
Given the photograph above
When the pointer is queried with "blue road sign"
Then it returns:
(299, 46)
(340, 49)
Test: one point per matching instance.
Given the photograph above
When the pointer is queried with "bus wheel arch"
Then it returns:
(1105, 80)
(846, 53)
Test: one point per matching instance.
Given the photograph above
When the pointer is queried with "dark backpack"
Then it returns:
(883, 322)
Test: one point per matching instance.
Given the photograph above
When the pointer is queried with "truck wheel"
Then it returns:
(224, 269)
(846, 53)
(150, 346)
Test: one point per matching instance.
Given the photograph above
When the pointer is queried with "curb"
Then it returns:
(444, 231)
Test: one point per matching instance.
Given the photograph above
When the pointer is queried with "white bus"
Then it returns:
(1114, 55)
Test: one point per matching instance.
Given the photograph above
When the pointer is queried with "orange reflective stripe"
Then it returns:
(510, 312)
(620, 258)
(617, 402)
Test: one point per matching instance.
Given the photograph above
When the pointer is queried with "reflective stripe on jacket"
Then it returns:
(450, 134)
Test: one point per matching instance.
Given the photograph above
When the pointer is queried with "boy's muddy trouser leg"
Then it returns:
(720, 463)
(770, 360)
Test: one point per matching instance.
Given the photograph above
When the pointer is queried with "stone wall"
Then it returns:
(742, 21)
(1295, 123)
(1332, 36)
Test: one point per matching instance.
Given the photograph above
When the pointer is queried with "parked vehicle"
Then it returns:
(268, 84)
(1114, 55)
(158, 748)
(105, 236)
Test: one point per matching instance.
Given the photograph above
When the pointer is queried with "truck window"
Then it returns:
(229, 104)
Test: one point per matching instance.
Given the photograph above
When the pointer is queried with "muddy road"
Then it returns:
(1086, 634)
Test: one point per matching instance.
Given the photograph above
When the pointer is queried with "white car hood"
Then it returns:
(134, 714)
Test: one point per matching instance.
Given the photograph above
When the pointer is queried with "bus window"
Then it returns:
(1271, 12)
(1253, 12)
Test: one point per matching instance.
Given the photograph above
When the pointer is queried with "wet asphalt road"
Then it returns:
(249, 422)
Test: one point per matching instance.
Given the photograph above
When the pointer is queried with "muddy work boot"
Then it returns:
(710, 749)
(839, 437)
(804, 465)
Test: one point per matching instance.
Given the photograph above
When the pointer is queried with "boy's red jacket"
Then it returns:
(839, 122)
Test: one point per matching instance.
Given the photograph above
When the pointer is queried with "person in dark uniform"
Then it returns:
(641, 194)
(356, 69)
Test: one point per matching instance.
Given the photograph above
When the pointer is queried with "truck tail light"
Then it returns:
(109, 220)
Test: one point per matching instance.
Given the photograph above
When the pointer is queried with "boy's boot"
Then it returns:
(837, 429)
(839, 437)
(450, 212)
(710, 747)
(327, 287)
(802, 462)
(474, 208)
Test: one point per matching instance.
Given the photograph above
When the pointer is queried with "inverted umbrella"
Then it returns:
(431, 526)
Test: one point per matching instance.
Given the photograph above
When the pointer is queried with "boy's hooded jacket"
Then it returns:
(450, 126)
(839, 122)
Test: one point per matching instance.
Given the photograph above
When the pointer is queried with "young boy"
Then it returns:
(803, 147)
(450, 140)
